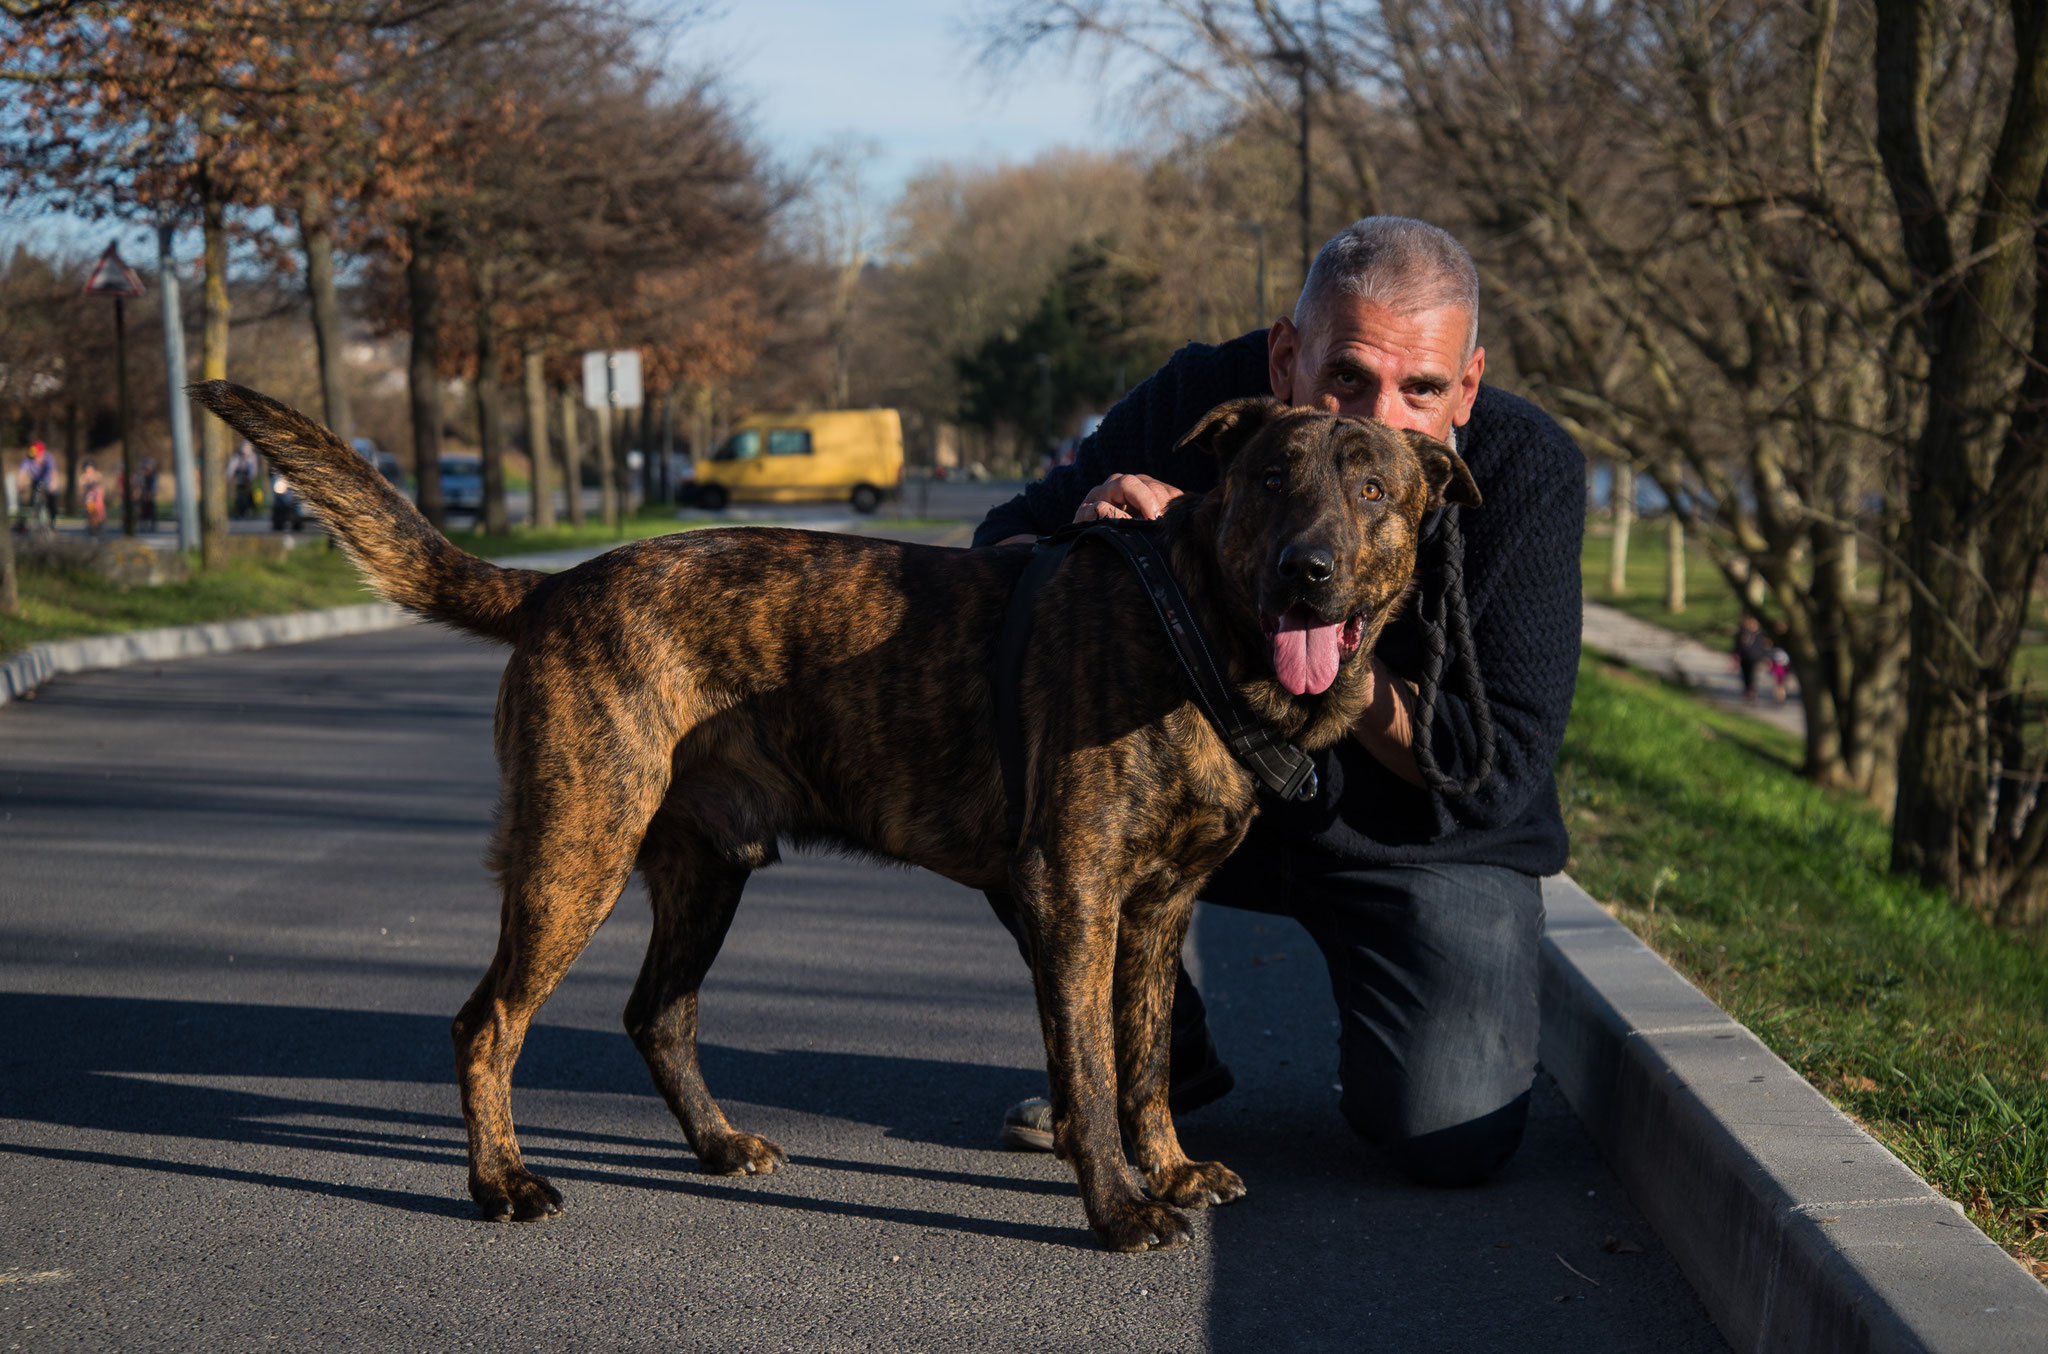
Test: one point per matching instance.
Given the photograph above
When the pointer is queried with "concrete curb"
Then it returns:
(1799, 1231)
(38, 663)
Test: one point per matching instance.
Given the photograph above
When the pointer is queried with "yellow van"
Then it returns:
(842, 455)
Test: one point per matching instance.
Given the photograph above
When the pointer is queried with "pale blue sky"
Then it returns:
(904, 75)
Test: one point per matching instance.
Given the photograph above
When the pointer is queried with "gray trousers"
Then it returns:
(1434, 971)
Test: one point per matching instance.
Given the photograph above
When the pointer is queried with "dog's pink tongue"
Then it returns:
(1305, 652)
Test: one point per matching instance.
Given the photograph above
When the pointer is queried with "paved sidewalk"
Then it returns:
(1685, 660)
(244, 899)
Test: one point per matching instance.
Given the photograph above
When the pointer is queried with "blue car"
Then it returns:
(462, 484)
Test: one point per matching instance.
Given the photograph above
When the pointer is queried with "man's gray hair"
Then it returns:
(1397, 262)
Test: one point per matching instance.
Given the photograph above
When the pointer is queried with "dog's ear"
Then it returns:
(1225, 429)
(1450, 481)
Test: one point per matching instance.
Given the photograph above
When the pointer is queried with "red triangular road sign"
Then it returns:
(111, 277)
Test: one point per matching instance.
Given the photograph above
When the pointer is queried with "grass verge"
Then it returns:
(1772, 895)
(64, 603)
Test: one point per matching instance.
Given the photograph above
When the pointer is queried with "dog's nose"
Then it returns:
(1310, 562)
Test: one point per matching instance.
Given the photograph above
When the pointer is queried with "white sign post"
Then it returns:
(611, 380)
(184, 472)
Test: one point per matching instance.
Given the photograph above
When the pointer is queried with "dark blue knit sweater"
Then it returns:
(1521, 589)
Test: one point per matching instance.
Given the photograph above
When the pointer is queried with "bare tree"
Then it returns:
(1962, 129)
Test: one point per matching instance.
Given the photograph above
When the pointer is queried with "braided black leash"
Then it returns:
(1451, 627)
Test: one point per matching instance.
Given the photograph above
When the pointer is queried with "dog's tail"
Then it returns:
(403, 556)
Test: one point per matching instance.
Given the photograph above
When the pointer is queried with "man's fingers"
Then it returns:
(1126, 496)
(1098, 510)
(1148, 497)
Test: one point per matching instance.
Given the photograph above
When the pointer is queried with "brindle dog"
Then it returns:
(680, 704)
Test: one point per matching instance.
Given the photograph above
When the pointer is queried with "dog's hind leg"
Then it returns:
(1147, 945)
(562, 873)
(694, 889)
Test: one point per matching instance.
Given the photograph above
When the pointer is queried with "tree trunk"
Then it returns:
(607, 469)
(490, 406)
(572, 461)
(10, 586)
(645, 489)
(1674, 564)
(488, 390)
(423, 367)
(1623, 502)
(668, 446)
(213, 366)
(74, 452)
(537, 439)
(1966, 816)
(316, 232)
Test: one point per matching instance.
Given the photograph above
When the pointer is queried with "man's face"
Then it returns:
(1406, 370)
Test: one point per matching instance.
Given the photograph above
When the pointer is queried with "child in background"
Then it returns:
(92, 488)
(1781, 661)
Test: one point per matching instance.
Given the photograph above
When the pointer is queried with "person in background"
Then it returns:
(37, 479)
(242, 480)
(1751, 651)
(144, 490)
(92, 491)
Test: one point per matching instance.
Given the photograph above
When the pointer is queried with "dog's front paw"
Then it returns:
(1141, 1225)
(1195, 1184)
(518, 1196)
(742, 1154)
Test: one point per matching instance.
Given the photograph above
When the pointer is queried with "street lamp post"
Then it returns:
(113, 278)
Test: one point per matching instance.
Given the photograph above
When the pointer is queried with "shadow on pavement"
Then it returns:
(1333, 1248)
(102, 1063)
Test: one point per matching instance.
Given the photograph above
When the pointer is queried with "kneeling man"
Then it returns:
(1416, 866)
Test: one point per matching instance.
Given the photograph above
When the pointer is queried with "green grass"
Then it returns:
(1772, 895)
(1710, 614)
(63, 603)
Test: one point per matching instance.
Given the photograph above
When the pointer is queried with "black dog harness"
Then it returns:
(1280, 767)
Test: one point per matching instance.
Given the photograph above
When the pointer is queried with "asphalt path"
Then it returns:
(240, 898)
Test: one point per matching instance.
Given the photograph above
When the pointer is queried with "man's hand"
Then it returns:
(1118, 496)
(1126, 496)
(1387, 727)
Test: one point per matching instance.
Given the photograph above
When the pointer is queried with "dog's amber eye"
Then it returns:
(1373, 492)
(1274, 481)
